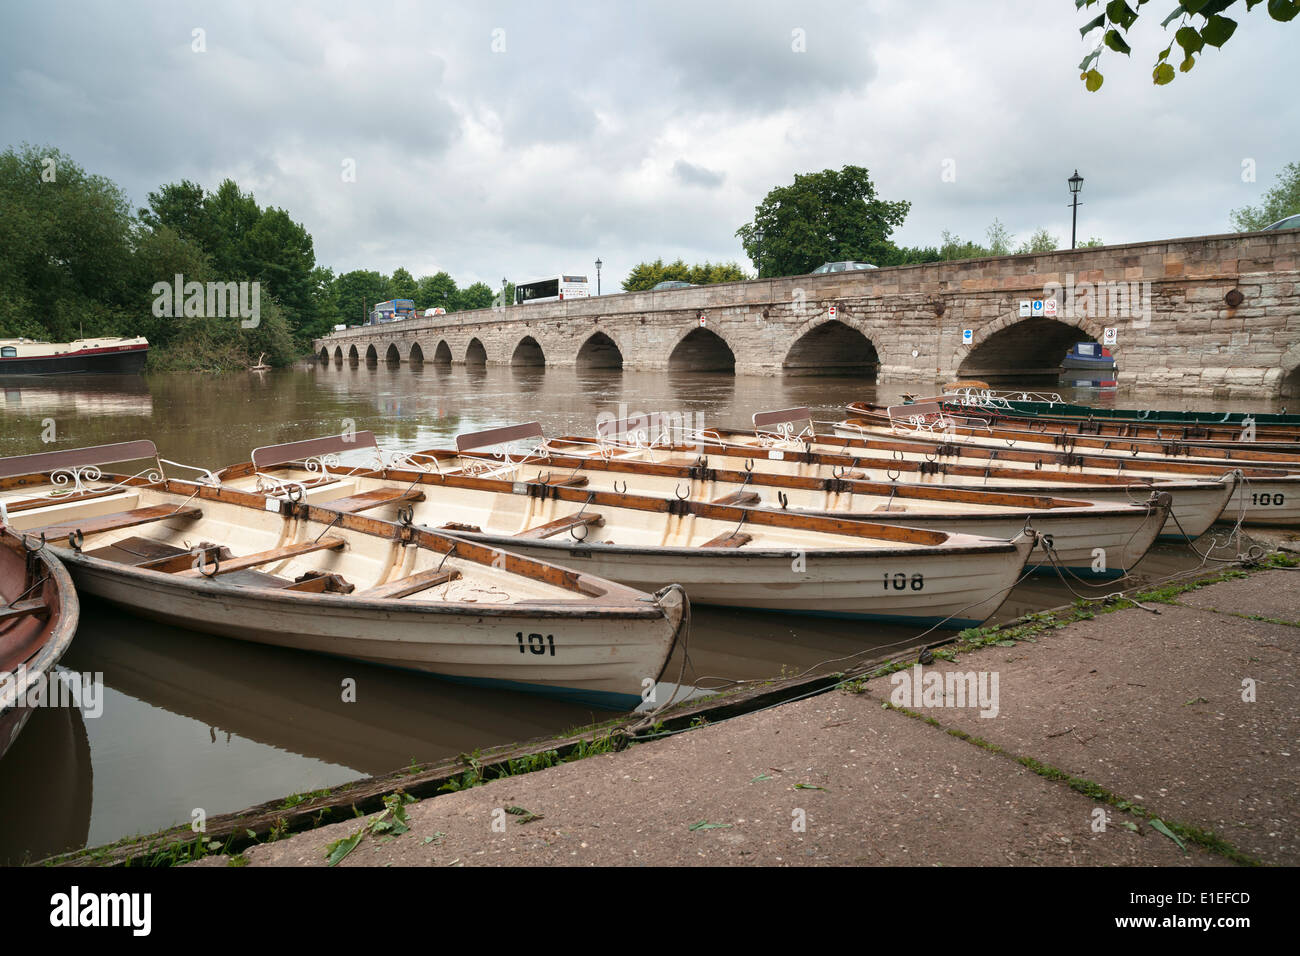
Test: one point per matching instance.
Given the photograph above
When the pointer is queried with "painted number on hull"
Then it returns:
(1276, 499)
(536, 643)
(901, 582)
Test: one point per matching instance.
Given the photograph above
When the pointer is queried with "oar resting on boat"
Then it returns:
(723, 554)
(238, 564)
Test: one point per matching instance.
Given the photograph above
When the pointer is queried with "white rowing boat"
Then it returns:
(240, 565)
(721, 554)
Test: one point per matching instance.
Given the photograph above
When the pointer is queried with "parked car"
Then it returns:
(1290, 222)
(673, 284)
(841, 267)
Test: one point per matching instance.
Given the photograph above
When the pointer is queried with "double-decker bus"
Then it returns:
(552, 289)
(393, 310)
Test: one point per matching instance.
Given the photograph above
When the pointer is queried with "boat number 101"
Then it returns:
(1267, 499)
(901, 582)
(536, 643)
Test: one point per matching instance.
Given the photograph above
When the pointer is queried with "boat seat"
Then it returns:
(560, 525)
(355, 504)
(459, 526)
(576, 481)
(894, 508)
(23, 609)
(119, 520)
(732, 539)
(411, 584)
(739, 498)
(319, 582)
(272, 556)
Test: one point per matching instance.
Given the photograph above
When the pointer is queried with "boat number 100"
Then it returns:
(1267, 499)
(536, 643)
(901, 582)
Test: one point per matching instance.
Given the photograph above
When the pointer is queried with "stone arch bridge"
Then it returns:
(1213, 315)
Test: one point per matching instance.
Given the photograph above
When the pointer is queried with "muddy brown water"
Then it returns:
(196, 723)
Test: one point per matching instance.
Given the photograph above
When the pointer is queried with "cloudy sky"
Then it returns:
(519, 139)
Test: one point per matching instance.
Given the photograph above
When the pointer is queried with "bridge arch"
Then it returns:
(353, 358)
(338, 354)
(416, 356)
(442, 354)
(1010, 345)
(599, 351)
(372, 356)
(528, 352)
(702, 350)
(831, 347)
(393, 356)
(475, 353)
(324, 355)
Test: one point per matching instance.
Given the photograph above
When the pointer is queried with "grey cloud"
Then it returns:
(694, 175)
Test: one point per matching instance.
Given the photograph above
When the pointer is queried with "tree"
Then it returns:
(1040, 241)
(1200, 23)
(647, 275)
(1279, 202)
(436, 291)
(821, 217)
(953, 248)
(999, 238)
(1092, 243)
(477, 296)
(357, 292)
(403, 284)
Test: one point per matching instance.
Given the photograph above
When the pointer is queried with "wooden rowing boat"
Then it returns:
(1087, 538)
(1178, 418)
(723, 554)
(783, 445)
(240, 565)
(925, 418)
(39, 611)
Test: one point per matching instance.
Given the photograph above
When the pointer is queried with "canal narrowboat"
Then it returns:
(39, 611)
(240, 565)
(721, 553)
(116, 356)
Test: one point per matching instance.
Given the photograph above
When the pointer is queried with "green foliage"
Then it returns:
(999, 238)
(477, 296)
(647, 275)
(822, 217)
(1279, 202)
(436, 291)
(402, 285)
(1199, 23)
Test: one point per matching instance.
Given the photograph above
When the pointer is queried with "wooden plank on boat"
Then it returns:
(782, 417)
(269, 557)
(319, 582)
(210, 554)
(741, 497)
(271, 455)
(560, 525)
(119, 520)
(29, 504)
(732, 539)
(412, 584)
(48, 461)
(500, 436)
(23, 609)
(355, 504)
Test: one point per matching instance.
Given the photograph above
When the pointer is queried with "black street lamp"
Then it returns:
(505, 284)
(758, 253)
(1076, 183)
(598, 265)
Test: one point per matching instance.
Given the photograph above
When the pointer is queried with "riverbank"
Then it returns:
(1160, 734)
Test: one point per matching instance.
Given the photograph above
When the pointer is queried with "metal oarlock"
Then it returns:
(618, 490)
(406, 516)
(75, 540)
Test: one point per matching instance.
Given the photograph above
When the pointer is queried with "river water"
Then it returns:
(195, 722)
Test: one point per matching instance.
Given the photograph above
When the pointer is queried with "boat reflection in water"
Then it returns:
(77, 396)
(45, 787)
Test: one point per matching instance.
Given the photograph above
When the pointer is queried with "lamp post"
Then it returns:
(758, 253)
(598, 265)
(505, 284)
(1076, 183)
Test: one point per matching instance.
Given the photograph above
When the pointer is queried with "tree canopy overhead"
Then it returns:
(821, 217)
(1196, 25)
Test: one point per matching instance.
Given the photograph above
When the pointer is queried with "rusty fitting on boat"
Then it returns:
(75, 540)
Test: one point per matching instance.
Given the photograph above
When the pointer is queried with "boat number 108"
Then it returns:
(901, 582)
(536, 643)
